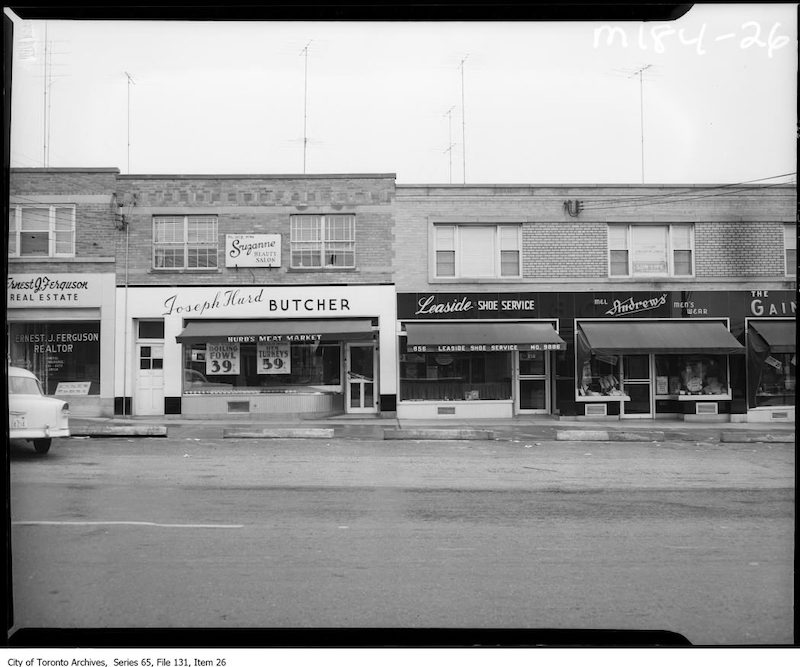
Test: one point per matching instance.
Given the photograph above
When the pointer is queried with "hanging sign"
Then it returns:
(273, 359)
(222, 359)
(252, 250)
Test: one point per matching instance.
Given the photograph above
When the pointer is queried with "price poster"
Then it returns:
(222, 359)
(273, 358)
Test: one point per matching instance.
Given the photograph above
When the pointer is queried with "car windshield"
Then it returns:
(24, 385)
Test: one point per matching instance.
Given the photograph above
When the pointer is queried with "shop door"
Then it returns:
(360, 394)
(149, 396)
(636, 384)
(533, 388)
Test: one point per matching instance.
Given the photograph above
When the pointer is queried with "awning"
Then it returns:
(663, 337)
(252, 331)
(482, 336)
(780, 335)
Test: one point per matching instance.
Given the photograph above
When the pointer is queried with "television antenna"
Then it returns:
(639, 72)
(304, 53)
(463, 122)
(449, 149)
(130, 82)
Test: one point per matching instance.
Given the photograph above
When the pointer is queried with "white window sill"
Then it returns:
(601, 399)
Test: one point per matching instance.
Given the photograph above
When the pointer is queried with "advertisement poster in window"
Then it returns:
(222, 359)
(273, 359)
(650, 250)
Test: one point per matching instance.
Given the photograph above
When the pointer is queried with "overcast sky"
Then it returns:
(543, 102)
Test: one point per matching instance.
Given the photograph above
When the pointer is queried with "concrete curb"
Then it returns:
(611, 436)
(727, 436)
(437, 434)
(112, 430)
(274, 433)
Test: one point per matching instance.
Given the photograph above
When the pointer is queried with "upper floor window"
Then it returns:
(185, 242)
(477, 251)
(790, 245)
(41, 231)
(651, 250)
(323, 241)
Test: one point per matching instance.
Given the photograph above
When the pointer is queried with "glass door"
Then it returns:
(636, 384)
(360, 394)
(533, 389)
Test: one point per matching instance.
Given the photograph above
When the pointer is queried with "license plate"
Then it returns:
(19, 422)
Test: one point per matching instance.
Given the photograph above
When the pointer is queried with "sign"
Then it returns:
(73, 388)
(49, 290)
(765, 303)
(487, 347)
(222, 359)
(467, 305)
(253, 250)
(273, 359)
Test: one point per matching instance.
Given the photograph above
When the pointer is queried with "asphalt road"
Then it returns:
(690, 537)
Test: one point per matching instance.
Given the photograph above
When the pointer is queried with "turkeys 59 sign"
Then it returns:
(273, 358)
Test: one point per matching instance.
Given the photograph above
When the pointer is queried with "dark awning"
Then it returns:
(483, 336)
(779, 335)
(663, 337)
(251, 331)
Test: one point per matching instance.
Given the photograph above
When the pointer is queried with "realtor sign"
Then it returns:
(253, 250)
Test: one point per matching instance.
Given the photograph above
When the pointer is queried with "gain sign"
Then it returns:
(273, 358)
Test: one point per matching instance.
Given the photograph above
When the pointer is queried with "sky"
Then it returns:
(432, 102)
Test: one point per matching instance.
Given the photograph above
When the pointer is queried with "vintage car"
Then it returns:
(32, 415)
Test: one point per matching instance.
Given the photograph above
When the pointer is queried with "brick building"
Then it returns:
(600, 301)
(244, 294)
(62, 244)
(256, 295)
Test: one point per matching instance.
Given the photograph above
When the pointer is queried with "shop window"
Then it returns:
(41, 231)
(57, 353)
(790, 246)
(262, 367)
(477, 251)
(651, 250)
(454, 376)
(323, 241)
(777, 380)
(692, 375)
(151, 329)
(600, 377)
(185, 242)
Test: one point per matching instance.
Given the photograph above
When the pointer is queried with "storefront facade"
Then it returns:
(696, 356)
(220, 350)
(60, 327)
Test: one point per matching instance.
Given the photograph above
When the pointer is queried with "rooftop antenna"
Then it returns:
(463, 122)
(639, 72)
(45, 106)
(130, 81)
(304, 52)
(450, 144)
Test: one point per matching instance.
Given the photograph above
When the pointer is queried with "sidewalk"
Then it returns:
(540, 427)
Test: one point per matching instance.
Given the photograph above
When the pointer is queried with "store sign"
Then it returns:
(493, 347)
(635, 305)
(65, 289)
(73, 388)
(240, 297)
(470, 305)
(276, 338)
(273, 358)
(253, 250)
(777, 303)
(222, 359)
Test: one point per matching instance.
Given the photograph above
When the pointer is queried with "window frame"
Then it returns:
(346, 246)
(457, 246)
(15, 211)
(185, 244)
(670, 249)
(789, 245)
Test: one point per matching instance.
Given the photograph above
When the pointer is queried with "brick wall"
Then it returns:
(260, 205)
(739, 249)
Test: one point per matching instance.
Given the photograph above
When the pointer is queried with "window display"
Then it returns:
(778, 379)
(214, 367)
(58, 353)
(691, 375)
(600, 377)
(454, 376)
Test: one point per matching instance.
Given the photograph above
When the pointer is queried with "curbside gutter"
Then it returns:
(273, 433)
(611, 436)
(729, 436)
(117, 430)
(437, 434)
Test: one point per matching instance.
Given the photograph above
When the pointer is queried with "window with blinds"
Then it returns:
(477, 251)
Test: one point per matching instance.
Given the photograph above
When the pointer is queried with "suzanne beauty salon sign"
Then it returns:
(253, 250)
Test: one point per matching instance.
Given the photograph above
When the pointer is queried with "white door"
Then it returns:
(360, 392)
(149, 394)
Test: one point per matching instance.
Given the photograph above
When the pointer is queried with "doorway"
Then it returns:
(533, 386)
(149, 393)
(636, 384)
(361, 370)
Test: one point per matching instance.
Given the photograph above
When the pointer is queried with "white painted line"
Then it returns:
(125, 523)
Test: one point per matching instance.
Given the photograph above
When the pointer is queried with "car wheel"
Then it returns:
(42, 445)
